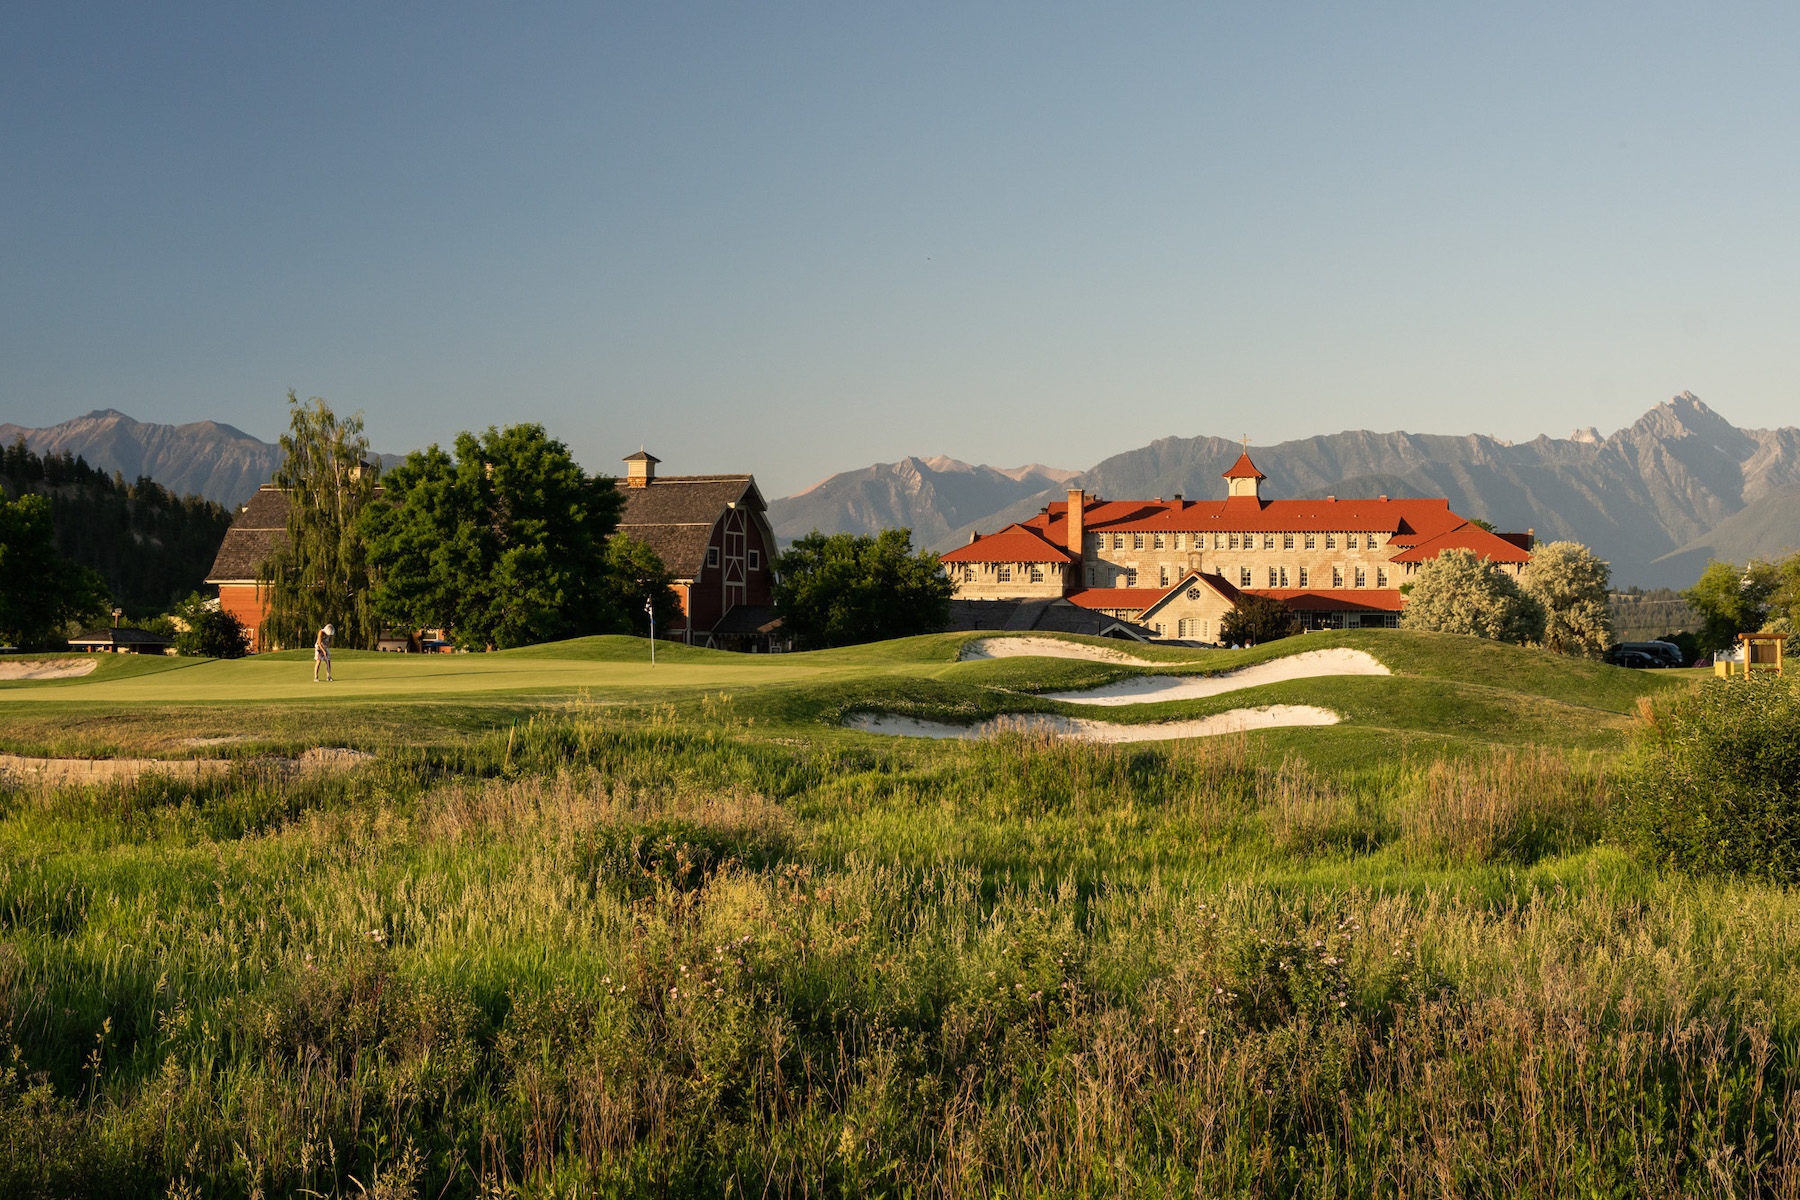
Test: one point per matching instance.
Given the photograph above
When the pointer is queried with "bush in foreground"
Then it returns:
(1713, 780)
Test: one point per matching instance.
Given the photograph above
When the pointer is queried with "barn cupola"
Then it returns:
(640, 469)
(1243, 479)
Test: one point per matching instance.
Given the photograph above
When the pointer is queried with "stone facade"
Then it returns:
(1177, 566)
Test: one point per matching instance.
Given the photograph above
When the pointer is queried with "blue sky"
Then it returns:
(798, 239)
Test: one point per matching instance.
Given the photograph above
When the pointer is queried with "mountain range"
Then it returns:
(204, 458)
(1658, 498)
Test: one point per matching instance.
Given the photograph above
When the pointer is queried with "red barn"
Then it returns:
(713, 535)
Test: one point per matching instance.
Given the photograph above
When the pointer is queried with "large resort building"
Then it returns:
(1176, 567)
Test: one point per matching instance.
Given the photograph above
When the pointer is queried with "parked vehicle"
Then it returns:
(1666, 654)
(1637, 660)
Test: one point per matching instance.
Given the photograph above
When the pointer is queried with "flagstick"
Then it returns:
(650, 607)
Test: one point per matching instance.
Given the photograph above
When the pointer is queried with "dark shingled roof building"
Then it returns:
(709, 530)
(258, 531)
(713, 535)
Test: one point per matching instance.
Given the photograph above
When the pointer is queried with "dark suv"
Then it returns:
(1645, 654)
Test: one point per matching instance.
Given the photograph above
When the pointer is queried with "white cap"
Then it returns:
(329, 632)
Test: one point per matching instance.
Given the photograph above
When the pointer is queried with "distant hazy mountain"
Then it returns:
(205, 458)
(1657, 498)
(930, 496)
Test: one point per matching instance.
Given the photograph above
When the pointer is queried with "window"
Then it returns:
(1268, 541)
(1272, 578)
(1362, 577)
(1312, 541)
(1091, 575)
(756, 560)
(1284, 577)
(1130, 576)
(1303, 581)
(712, 556)
(1380, 576)
(1162, 577)
(1287, 541)
(1337, 577)
(1219, 541)
(1331, 541)
(1243, 576)
(1156, 542)
(1137, 541)
(1350, 541)
(1037, 573)
(1118, 541)
(1178, 541)
(1004, 574)
(1159, 629)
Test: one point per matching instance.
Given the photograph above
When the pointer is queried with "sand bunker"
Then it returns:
(1153, 689)
(58, 771)
(1238, 720)
(60, 668)
(1042, 647)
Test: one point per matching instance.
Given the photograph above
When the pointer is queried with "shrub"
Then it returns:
(1257, 619)
(1712, 782)
(213, 633)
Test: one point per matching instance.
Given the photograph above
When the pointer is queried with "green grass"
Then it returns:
(578, 930)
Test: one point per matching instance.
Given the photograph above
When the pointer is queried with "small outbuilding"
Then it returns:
(120, 639)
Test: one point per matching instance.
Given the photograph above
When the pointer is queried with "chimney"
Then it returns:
(974, 537)
(640, 469)
(1077, 520)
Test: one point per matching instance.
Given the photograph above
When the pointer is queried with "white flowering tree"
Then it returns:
(1571, 583)
(1457, 592)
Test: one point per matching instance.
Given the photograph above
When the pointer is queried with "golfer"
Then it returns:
(322, 654)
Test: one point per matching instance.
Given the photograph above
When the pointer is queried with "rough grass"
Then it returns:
(706, 943)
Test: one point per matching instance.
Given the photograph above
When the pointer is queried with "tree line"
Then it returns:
(149, 546)
(503, 541)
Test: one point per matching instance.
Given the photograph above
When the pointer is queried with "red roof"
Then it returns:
(1407, 519)
(1323, 599)
(1243, 468)
(1014, 544)
(1466, 537)
(1138, 598)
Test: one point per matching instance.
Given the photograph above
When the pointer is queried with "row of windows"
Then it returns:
(1278, 577)
(1234, 541)
(1003, 572)
(712, 558)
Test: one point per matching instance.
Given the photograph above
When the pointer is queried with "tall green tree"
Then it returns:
(1572, 583)
(1731, 601)
(40, 591)
(502, 544)
(320, 575)
(846, 588)
(639, 584)
(1457, 592)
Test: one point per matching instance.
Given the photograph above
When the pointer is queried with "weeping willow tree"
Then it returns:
(321, 576)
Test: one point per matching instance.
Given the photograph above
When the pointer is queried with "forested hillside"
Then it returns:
(151, 546)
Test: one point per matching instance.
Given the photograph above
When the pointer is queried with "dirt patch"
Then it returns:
(1238, 720)
(59, 771)
(1153, 689)
(59, 668)
(1043, 647)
